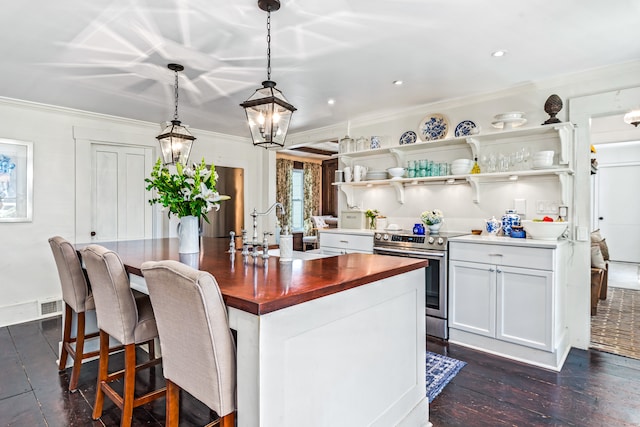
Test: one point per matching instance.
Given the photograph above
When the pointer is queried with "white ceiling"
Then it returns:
(111, 56)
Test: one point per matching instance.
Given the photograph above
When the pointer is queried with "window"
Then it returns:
(297, 200)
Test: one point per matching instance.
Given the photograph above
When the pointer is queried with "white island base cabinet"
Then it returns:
(354, 358)
(508, 300)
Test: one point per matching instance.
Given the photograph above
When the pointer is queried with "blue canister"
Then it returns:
(518, 232)
(418, 229)
(509, 219)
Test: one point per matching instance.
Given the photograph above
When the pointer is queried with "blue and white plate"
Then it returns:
(465, 128)
(409, 137)
(433, 127)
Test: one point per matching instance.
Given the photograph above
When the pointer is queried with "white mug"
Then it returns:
(359, 173)
(347, 174)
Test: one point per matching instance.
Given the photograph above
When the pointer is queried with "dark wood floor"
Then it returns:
(593, 389)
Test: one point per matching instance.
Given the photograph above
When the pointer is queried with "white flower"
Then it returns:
(434, 216)
(189, 172)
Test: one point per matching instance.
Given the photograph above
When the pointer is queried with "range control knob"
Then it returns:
(440, 241)
(385, 237)
(431, 240)
(378, 236)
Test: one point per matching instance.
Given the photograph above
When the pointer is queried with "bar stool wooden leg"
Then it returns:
(66, 337)
(152, 349)
(103, 366)
(129, 384)
(78, 354)
(173, 404)
(228, 420)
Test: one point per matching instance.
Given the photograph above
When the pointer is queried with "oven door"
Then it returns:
(436, 277)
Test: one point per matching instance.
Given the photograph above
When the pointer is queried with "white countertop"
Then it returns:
(510, 241)
(361, 231)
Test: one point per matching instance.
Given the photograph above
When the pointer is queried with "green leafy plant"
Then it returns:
(188, 191)
(372, 214)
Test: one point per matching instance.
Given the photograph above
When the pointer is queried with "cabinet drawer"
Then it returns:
(350, 242)
(515, 256)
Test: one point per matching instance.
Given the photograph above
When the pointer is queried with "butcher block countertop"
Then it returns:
(260, 287)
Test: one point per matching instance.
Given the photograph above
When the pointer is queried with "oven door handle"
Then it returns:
(406, 252)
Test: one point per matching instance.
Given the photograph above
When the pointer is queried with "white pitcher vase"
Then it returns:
(189, 235)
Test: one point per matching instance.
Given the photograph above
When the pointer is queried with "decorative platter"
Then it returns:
(433, 127)
(465, 128)
(409, 137)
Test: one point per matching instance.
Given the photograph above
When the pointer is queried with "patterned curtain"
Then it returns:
(284, 182)
(312, 194)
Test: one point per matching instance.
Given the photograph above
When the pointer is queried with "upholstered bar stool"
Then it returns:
(128, 319)
(198, 349)
(77, 299)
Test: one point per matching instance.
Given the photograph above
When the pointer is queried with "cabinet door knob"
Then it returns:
(491, 270)
(498, 270)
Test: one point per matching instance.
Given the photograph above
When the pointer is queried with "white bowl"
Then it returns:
(543, 154)
(460, 170)
(542, 163)
(509, 115)
(544, 230)
(462, 162)
(395, 172)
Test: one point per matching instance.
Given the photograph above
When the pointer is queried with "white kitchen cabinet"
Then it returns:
(507, 298)
(558, 137)
(472, 296)
(507, 303)
(338, 242)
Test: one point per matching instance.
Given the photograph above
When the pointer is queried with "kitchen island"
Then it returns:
(334, 341)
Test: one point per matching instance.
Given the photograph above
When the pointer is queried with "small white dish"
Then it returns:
(508, 123)
(509, 115)
(393, 227)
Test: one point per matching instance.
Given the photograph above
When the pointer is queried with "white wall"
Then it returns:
(28, 274)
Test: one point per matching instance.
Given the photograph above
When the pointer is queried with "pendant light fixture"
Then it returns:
(268, 111)
(175, 140)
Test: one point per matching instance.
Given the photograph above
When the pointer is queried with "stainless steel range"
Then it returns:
(434, 248)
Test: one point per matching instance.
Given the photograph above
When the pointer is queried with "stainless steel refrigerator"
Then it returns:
(230, 217)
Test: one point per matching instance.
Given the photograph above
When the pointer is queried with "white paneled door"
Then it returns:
(119, 207)
(617, 211)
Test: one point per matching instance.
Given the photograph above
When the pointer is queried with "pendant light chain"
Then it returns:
(175, 114)
(269, 43)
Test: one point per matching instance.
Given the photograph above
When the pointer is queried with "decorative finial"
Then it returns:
(552, 107)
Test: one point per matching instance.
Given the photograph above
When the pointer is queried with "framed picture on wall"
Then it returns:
(16, 181)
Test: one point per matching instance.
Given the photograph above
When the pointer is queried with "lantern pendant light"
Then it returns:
(175, 140)
(268, 111)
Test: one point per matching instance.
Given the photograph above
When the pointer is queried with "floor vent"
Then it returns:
(50, 307)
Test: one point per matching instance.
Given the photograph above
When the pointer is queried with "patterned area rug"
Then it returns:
(615, 329)
(440, 370)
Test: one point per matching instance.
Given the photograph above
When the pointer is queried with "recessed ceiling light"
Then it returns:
(331, 101)
(499, 53)
(397, 82)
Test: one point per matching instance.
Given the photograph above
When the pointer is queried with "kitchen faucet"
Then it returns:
(254, 242)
